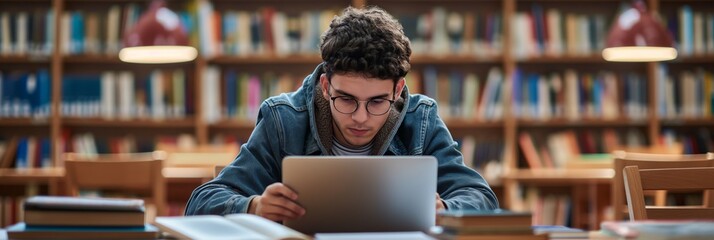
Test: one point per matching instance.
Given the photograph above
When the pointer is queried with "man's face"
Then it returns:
(358, 128)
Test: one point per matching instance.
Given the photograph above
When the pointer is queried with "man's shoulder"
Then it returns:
(292, 100)
(419, 100)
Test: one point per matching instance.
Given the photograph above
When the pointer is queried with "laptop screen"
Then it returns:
(362, 194)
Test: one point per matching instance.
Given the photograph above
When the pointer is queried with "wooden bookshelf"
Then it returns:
(506, 128)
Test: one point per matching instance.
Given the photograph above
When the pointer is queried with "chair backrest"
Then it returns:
(217, 169)
(649, 161)
(199, 156)
(636, 181)
(136, 175)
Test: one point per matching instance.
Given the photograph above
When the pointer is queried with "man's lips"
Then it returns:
(358, 132)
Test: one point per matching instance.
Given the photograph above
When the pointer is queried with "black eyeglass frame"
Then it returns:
(391, 102)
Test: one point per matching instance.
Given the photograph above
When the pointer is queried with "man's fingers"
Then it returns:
(288, 204)
(279, 210)
(280, 189)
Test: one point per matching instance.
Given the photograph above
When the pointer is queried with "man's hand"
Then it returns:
(439, 203)
(277, 203)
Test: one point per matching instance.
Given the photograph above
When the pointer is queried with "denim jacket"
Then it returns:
(300, 123)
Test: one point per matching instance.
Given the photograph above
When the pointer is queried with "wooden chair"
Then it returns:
(217, 169)
(649, 161)
(636, 181)
(134, 175)
(199, 156)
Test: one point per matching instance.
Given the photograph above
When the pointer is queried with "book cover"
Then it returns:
(472, 218)
(35, 217)
(83, 203)
(22, 231)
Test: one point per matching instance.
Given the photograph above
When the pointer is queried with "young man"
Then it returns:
(354, 103)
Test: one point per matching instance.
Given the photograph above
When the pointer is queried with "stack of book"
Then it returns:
(478, 225)
(77, 217)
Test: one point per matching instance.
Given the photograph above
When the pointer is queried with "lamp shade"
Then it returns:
(157, 37)
(636, 36)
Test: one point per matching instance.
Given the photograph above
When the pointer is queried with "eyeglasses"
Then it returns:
(349, 105)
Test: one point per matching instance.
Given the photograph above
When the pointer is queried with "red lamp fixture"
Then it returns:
(157, 37)
(636, 36)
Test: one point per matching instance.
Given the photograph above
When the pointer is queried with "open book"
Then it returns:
(232, 226)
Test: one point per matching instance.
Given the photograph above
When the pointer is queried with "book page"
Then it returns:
(205, 227)
(266, 227)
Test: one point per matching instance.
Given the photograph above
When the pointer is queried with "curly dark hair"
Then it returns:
(366, 41)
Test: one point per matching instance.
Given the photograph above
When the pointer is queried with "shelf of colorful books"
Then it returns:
(451, 31)
(689, 24)
(128, 123)
(591, 122)
(554, 28)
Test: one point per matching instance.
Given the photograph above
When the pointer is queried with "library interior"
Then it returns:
(524, 87)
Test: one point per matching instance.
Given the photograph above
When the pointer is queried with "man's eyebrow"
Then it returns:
(350, 95)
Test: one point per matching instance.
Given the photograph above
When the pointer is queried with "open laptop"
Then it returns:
(362, 194)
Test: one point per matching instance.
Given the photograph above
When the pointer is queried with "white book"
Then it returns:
(471, 91)
(113, 20)
(126, 95)
(583, 35)
(107, 96)
(21, 28)
(440, 41)
(243, 31)
(232, 226)
(687, 93)
(65, 40)
(5, 42)
(669, 97)
(157, 95)
(179, 94)
(571, 95)
(555, 39)
(280, 38)
(699, 44)
(205, 23)
(209, 98)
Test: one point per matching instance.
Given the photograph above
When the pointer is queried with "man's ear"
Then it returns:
(400, 87)
(325, 84)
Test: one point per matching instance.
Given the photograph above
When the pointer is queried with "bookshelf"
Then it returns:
(440, 55)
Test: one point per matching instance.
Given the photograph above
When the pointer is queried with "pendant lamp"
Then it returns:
(637, 36)
(157, 37)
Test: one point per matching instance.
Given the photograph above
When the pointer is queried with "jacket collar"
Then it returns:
(321, 119)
